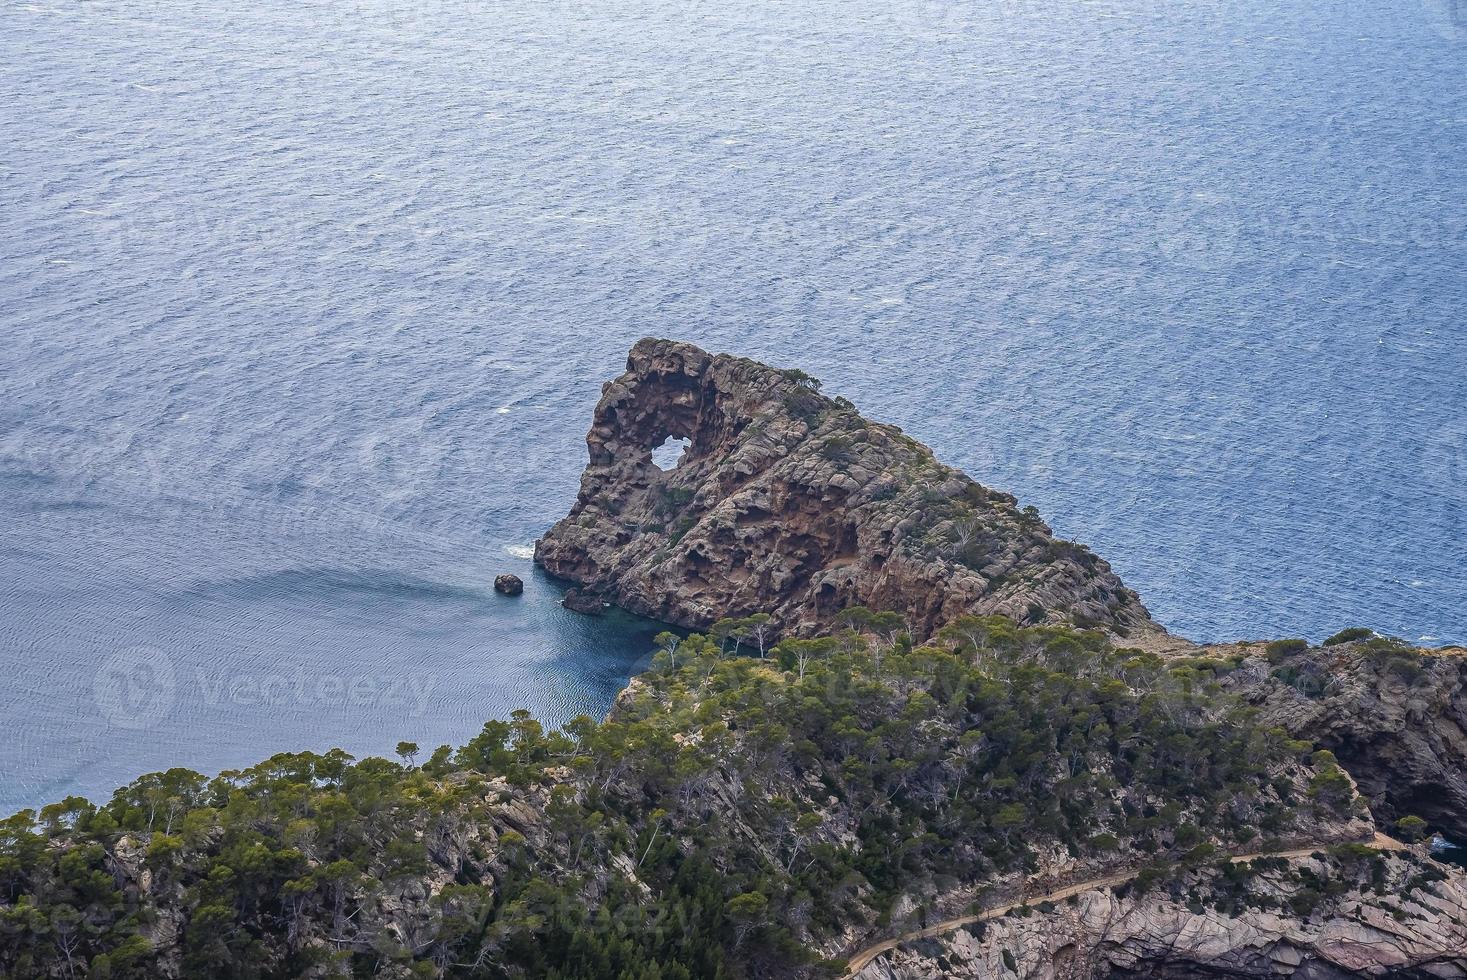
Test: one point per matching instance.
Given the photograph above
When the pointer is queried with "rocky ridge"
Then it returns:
(891, 783)
(789, 503)
(1383, 917)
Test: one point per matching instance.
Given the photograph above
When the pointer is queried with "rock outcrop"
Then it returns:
(790, 503)
(510, 585)
(1395, 716)
(582, 602)
(1409, 922)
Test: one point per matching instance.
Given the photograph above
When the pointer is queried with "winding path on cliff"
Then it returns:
(859, 961)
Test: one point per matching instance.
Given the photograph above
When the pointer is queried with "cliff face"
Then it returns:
(1388, 918)
(1396, 718)
(790, 503)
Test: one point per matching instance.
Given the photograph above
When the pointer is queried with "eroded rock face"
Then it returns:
(582, 602)
(1396, 718)
(1400, 931)
(790, 503)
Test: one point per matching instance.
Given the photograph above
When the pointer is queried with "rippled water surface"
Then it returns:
(305, 307)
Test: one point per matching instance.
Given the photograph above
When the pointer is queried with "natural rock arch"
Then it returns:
(789, 502)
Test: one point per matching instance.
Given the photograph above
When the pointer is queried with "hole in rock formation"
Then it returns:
(772, 497)
(666, 456)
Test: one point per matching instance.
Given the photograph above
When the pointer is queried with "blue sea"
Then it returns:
(305, 307)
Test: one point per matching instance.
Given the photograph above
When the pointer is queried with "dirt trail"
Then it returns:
(862, 959)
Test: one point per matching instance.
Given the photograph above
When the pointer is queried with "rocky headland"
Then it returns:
(789, 503)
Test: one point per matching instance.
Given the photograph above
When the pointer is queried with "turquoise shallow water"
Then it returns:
(306, 305)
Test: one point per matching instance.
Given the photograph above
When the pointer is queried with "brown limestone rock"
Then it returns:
(1407, 933)
(790, 503)
(582, 602)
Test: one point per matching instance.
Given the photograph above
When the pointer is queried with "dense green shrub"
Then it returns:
(1278, 650)
(1349, 636)
(1411, 829)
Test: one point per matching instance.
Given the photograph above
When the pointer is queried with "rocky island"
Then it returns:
(922, 737)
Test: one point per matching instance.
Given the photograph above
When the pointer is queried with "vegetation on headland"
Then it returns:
(733, 814)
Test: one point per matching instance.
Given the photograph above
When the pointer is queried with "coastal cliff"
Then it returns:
(789, 503)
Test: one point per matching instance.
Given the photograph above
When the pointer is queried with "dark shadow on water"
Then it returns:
(338, 585)
(1449, 851)
(615, 645)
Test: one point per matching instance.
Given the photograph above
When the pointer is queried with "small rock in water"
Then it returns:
(508, 585)
(581, 602)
